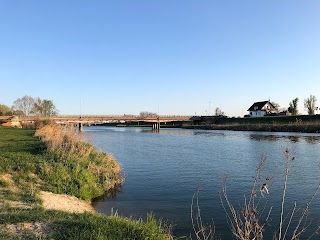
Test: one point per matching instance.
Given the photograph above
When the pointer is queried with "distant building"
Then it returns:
(260, 109)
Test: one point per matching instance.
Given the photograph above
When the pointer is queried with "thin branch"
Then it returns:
(290, 220)
(284, 192)
(305, 212)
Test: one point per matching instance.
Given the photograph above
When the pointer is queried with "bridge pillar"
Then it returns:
(156, 126)
(80, 127)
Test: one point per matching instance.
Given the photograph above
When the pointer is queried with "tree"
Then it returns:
(218, 112)
(5, 110)
(48, 108)
(276, 105)
(24, 104)
(148, 114)
(310, 104)
(293, 107)
(37, 108)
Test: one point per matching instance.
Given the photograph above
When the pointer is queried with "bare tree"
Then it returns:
(148, 114)
(310, 104)
(293, 107)
(24, 104)
(38, 107)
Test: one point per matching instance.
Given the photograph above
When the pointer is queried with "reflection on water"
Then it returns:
(164, 170)
(110, 194)
(256, 136)
(312, 139)
(294, 139)
(209, 134)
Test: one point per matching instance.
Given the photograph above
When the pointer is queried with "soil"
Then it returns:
(64, 202)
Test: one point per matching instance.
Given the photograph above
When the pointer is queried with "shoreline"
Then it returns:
(305, 128)
(48, 197)
(299, 128)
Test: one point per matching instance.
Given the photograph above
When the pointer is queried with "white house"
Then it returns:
(260, 109)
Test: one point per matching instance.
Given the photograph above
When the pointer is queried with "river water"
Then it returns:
(163, 170)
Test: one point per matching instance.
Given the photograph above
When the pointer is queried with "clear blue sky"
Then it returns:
(124, 57)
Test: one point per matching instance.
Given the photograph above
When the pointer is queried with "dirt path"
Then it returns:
(64, 202)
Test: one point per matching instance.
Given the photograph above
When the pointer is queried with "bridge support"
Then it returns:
(156, 126)
(80, 127)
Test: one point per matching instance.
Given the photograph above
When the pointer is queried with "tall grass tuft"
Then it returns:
(251, 220)
(76, 167)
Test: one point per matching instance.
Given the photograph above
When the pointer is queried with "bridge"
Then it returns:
(101, 119)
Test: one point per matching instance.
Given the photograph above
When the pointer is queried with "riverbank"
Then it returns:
(306, 127)
(299, 123)
(40, 187)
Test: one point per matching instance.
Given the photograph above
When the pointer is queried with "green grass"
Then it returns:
(34, 168)
(63, 225)
(23, 155)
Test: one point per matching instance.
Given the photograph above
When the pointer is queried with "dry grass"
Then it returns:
(253, 218)
(248, 223)
(68, 145)
(63, 139)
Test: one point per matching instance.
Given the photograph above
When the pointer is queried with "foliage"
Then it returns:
(5, 110)
(276, 105)
(219, 112)
(310, 104)
(29, 160)
(148, 114)
(44, 108)
(293, 106)
(75, 168)
(27, 105)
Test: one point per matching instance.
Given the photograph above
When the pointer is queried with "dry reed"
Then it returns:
(69, 144)
(251, 220)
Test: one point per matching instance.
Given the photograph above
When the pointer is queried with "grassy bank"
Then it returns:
(74, 167)
(61, 225)
(61, 163)
(312, 127)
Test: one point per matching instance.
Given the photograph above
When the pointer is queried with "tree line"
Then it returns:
(29, 106)
(309, 105)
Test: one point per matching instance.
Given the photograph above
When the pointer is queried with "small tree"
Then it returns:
(276, 105)
(293, 107)
(218, 112)
(37, 108)
(48, 108)
(5, 110)
(310, 104)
